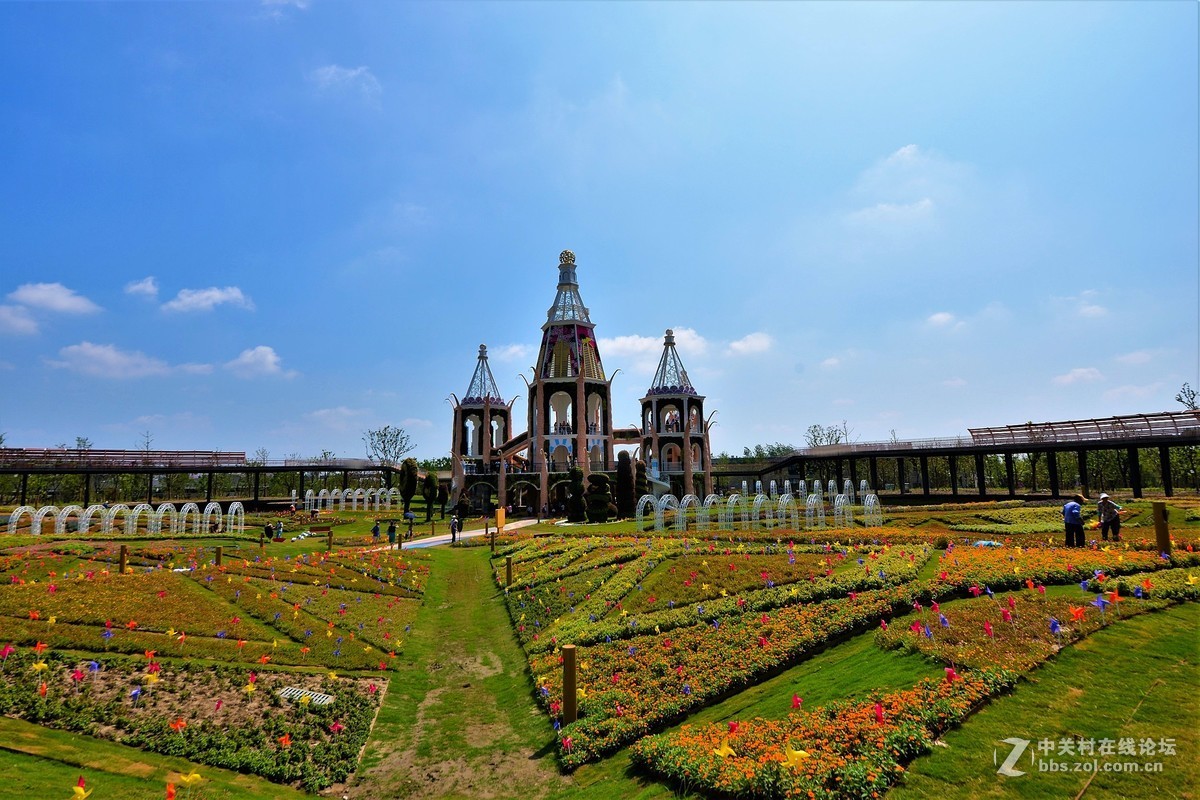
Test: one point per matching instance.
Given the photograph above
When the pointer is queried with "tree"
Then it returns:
(408, 481)
(1188, 396)
(443, 497)
(626, 502)
(429, 491)
(599, 498)
(442, 464)
(576, 505)
(641, 483)
(387, 445)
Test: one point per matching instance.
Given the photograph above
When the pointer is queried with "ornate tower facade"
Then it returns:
(674, 431)
(482, 422)
(570, 414)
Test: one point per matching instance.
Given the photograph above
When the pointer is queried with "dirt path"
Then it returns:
(458, 720)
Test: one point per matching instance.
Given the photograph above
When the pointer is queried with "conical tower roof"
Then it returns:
(568, 337)
(483, 386)
(568, 305)
(670, 377)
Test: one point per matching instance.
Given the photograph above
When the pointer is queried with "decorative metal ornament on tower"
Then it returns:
(674, 431)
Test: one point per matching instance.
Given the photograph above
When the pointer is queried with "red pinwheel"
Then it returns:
(797, 701)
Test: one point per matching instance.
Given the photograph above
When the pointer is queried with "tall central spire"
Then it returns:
(670, 377)
(483, 386)
(568, 305)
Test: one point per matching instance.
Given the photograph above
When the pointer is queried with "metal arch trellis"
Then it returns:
(156, 521)
(802, 489)
(843, 512)
(110, 518)
(732, 506)
(787, 511)
(688, 501)
(814, 512)
(235, 518)
(667, 501)
(644, 502)
(45, 511)
(848, 490)
(194, 510)
(831, 490)
(762, 510)
(14, 519)
(863, 489)
(209, 511)
(711, 509)
(60, 519)
(309, 499)
(85, 521)
(872, 511)
(773, 489)
(131, 519)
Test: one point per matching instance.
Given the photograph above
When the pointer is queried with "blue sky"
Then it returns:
(277, 225)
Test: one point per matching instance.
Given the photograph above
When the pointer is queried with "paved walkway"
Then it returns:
(444, 538)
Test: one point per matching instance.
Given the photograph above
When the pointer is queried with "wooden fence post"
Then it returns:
(1162, 536)
(123, 559)
(508, 571)
(220, 554)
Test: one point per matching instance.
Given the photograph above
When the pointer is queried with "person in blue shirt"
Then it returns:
(1073, 521)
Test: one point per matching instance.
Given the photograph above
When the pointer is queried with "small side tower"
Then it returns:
(482, 422)
(570, 413)
(674, 431)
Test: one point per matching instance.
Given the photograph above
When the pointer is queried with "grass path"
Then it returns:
(458, 720)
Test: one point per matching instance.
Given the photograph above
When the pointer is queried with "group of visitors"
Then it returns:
(1108, 511)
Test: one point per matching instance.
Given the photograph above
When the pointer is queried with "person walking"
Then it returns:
(1072, 514)
(375, 532)
(453, 529)
(1110, 518)
(391, 534)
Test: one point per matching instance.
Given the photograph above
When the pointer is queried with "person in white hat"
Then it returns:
(1110, 518)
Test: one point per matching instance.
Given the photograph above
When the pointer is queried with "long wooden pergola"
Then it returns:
(91, 463)
(1162, 431)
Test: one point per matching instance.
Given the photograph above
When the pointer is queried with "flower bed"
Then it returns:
(853, 749)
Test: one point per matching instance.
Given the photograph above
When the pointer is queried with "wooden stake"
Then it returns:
(124, 557)
(1161, 534)
(220, 554)
(570, 701)
(508, 570)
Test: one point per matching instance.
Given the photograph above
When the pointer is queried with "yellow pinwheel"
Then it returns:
(724, 750)
(793, 758)
(40, 666)
(190, 778)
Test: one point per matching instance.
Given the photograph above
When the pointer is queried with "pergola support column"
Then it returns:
(980, 483)
(1052, 468)
(925, 475)
(953, 459)
(1164, 461)
(1010, 475)
(1135, 472)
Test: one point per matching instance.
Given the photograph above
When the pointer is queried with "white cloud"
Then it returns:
(892, 214)
(16, 319)
(413, 422)
(196, 369)
(1093, 310)
(954, 383)
(1078, 375)
(207, 299)
(831, 363)
(258, 362)
(940, 319)
(751, 343)
(53, 297)
(106, 361)
(1136, 357)
(340, 418)
(1132, 392)
(510, 352)
(147, 287)
(645, 351)
(359, 80)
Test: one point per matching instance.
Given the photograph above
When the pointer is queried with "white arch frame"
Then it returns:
(787, 511)
(843, 512)
(45, 511)
(188, 508)
(848, 490)
(863, 489)
(667, 501)
(872, 511)
(85, 520)
(831, 490)
(802, 489)
(732, 505)
(814, 512)
(110, 517)
(762, 506)
(711, 510)
(323, 499)
(60, 519)
(773, 489)
(156, 521)
(235, 518)
(309, 500)
(14, 519)
(644, 502)
(688, 501)
(209, 510)
(131, 519)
